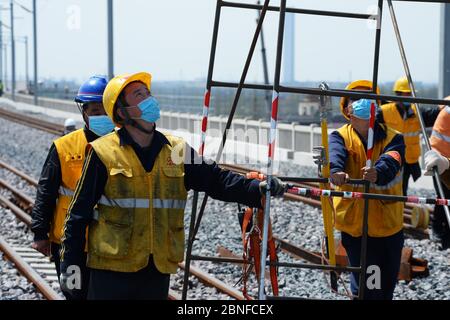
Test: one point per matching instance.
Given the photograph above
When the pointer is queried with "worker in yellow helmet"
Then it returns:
(139, 178)
(358, 85)
(439, 157)
(402, 116)
(347, 149)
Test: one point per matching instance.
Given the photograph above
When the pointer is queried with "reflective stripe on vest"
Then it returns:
(398, 179)
(143, 203)
(66, 192)
(441, 136)
(412, 134)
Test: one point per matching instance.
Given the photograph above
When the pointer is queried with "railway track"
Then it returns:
(408, 228)
(29, 121)
(418, 233)
(21, 205)
(35, 272)
(40, 271)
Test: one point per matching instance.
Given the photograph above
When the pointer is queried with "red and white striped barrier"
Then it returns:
(315, 192)
(370, 138)
(204, 121)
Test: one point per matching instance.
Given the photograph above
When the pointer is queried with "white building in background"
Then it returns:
(308, 108)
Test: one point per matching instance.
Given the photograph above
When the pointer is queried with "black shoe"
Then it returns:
(445, 244)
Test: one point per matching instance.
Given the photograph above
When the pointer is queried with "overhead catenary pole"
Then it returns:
(1, 51)
(444, 82)
(5, 69)
(413, 92)
(35, 55)
(110, 40)
(27, 74)
(13, 53)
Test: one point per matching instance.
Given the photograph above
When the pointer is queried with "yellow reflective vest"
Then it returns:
(385, 217)
(410, 128)
(440, 138)
(140, 213)
(71, 149)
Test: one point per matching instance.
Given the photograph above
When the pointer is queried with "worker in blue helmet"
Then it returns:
(62, 170)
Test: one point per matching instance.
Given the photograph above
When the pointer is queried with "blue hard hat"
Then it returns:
(92, 90)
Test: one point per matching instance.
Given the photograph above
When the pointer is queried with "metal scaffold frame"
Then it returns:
(276, 89)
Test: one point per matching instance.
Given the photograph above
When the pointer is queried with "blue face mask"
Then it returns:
(100, 125)
(361, 109)
(150, 109)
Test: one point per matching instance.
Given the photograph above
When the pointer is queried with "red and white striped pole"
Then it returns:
(272, 137)
(273, 130)
(365, 228)
(316, 192)
(204, 121)
(370, 138)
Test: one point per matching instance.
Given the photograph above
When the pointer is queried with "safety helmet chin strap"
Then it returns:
(132, 122)
(84, 115)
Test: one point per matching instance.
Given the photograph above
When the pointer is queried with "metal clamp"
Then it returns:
(320, 158)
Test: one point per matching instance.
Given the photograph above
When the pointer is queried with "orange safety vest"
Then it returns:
(410, 128)
(440, 138)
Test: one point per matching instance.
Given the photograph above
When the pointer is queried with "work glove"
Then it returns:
(277, 187)
(435, 159)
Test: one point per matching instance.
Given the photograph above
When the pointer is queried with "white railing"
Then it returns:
(296, 141)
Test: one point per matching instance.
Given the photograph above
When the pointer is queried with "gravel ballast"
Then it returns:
(300, 224)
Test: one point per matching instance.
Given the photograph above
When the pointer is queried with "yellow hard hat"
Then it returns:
(402, 85)
(115, 87)
(358, 84)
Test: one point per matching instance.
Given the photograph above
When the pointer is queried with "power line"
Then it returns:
(23, 7)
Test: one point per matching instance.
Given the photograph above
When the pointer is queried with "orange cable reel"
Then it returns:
(251, 240)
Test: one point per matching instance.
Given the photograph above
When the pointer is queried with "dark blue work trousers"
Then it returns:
(384, 252)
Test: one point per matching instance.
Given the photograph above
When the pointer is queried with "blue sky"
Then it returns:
(172, 38)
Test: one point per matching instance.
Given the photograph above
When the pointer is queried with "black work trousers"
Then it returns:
(145, 284)
(78, 294)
